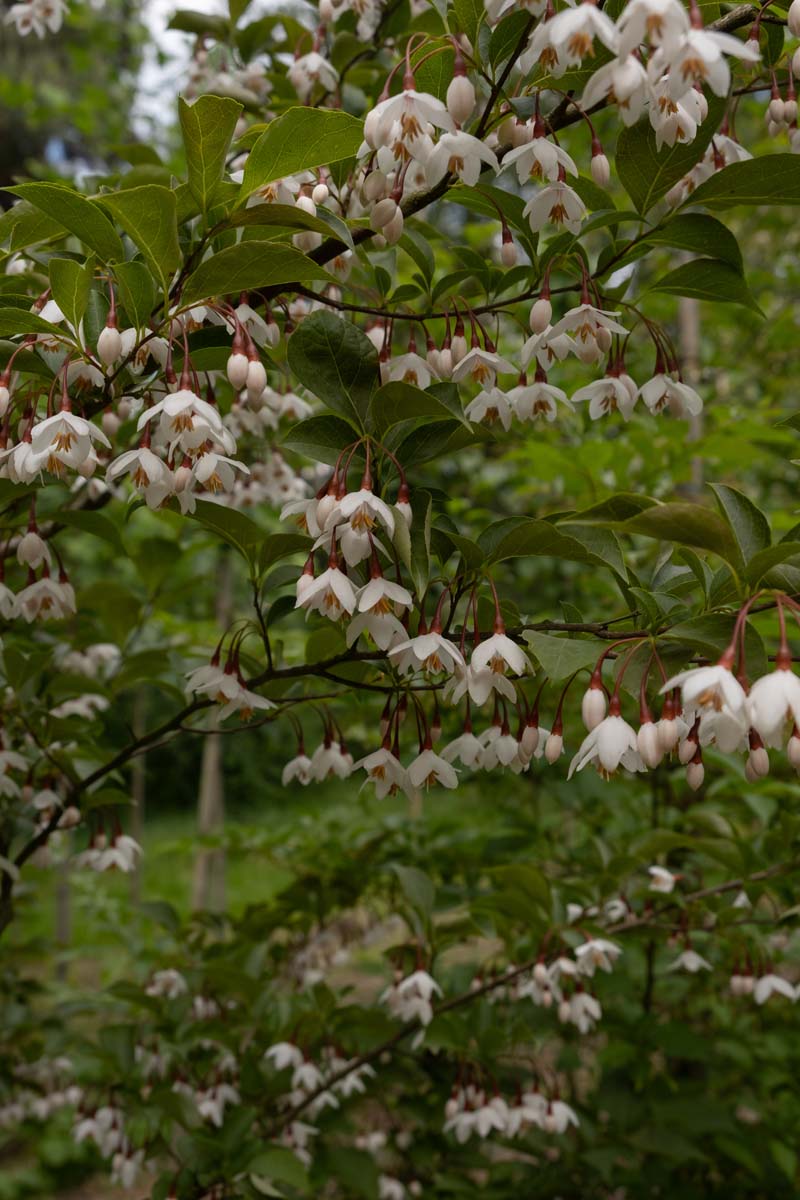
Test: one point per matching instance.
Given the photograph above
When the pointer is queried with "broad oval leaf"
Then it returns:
(337, 362)
(769, 179)
(299, 140)
(708, 279)
(208, 126)
(250, 265)
(77, 213)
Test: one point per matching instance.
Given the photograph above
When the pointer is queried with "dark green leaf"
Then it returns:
(75, 212)
(250, 265)
(335, 361)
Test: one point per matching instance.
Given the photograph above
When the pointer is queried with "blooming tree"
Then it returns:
(405, 252)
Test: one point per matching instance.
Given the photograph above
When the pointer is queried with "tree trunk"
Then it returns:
(208, 891)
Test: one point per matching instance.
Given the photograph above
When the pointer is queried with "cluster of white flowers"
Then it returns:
(43, 1087)
(41, 16)
(318, 1085)
(470, 1110)
(106, 1128)
(118, 852)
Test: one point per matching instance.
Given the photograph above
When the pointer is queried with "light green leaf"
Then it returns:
(208, 126)
(77, 213)
(232, 526)
(399, 401)
(299, 140)
(148, 216)
(70, 282)
(95, 523)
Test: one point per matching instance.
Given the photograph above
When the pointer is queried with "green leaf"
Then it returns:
(321, 438)
(700, 233)
(148, 214)
(137, 292)
(232, 526)
(748, 524)
(507, 34)
(614, 508)
(75, 212)
(279, 1164)
(768, 179)
(708, 279)
(646, 173)
(250, 265)
(18, 320)
(281, 545)
(95, 523)
(288, 216)
(337, 362)
(763, 561)
(688, 525)
(299, 140)
(207, 126)
(469, 15)
(417, 887)
(70, 282)
(399, 401)
(541, 538)
(560, 657)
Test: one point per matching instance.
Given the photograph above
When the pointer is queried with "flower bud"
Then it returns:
(393, 230)
(687, 750)
(593, 707)
(603, 339)
(508, 251)
(109, 345)
(32, 550)
(256, 379)
(776, 110)
(529, 740)
(110, 423)
(375, 187)
(796, 63)
(564, 1012)
(601, 172)
(758, 762)
(88, 467)
(540, 974)
(668, 734)
(320, 193)
(69, 818)
(5, 399)
(458, 348)
(324, 509)
(793, 750)
(793, 18)
(695, 773)
(460, 98)
(541, 315)
(236, 368)
(181, 478)
(790, 111)
(553, 747)
(774, 128)
(649, 744)
(382, 213)
(521, 134)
